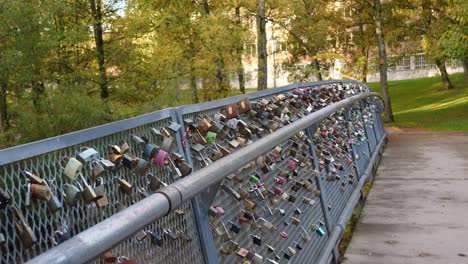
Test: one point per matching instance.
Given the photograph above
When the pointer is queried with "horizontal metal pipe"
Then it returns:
(348, 210)
(91, 243)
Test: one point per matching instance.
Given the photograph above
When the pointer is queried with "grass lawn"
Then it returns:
(421, 103)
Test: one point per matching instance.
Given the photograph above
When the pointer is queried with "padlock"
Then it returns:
(4, 198)
(232, 111)
(166, 144)
(171, 234)
(71, 193)
(138, 140)
(23, 230)
(141, 235)
(32, 177)
(87, 154)
(156, 239)
(107, 164)
(231, 191)
(242, 252)
(142, 166)
(126, 260)
(161, 158)
(257, 240)
(178, 173)
(125, 186)
(88, 193)
(41, 192)
(108, 257)
(2, 239)
(99, 188)
(130, 161)
(184, 167)
(249, 205)
(61, 236)
(149, 151)
(305, 235)
(73, 168)
(295, 221)
(54, 204)
(124, 147)
(97, 168)
(154, 183)
(102, 202)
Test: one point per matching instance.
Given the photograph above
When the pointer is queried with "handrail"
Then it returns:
(91, 243)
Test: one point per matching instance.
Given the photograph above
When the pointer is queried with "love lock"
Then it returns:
(126, 260)
(72, 168)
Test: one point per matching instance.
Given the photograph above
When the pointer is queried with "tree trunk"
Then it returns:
(388, 117)
(262, 76)
(365, 52)
(440, 63)
(206, 7)
(4, 124)
(96, 11)
(465, 70)
(239, 51)
(316, 66)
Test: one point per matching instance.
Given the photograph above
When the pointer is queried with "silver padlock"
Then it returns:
(88, 154)
(73, 168)
(71, 193)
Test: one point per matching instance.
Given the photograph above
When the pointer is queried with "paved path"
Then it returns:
(417, 210)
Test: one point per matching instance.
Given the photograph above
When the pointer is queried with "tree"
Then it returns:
(383, 62)
(262, 76)
(96, 12)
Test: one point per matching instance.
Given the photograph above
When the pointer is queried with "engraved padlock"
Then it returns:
(73, 168)
(23, 230)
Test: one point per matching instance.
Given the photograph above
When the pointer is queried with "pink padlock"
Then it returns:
(161, 158)
(277, 190)
(291, 165)
(280, 180)
(274, 155)
(220, 211)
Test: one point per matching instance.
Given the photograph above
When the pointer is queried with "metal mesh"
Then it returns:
(337, 192)
(81, 216)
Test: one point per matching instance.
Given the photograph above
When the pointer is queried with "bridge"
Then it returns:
(267, 177)
(416, 209)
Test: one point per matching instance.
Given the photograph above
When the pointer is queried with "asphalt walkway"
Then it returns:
(417, 209)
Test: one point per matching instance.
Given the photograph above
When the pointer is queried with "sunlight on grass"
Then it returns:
(436, 106)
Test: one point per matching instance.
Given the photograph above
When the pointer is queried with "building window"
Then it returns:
(420, 63)
(403, 64)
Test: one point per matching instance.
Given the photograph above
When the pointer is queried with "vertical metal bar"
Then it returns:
(205, 236)
(356, 168)
(323, 199)
(361, 108)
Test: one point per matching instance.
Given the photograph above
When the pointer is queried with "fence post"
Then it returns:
(323, 199)
(199, 205)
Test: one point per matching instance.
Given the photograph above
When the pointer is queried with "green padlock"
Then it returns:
(211, 138)
(254, 179)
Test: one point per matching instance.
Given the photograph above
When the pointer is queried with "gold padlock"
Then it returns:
(125, 186)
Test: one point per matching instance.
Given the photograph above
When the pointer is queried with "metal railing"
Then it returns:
(191, 234)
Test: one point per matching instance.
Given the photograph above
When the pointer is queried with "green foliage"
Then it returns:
(422, 103)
